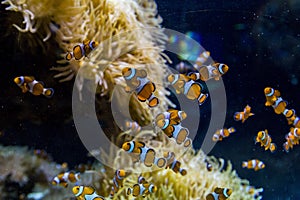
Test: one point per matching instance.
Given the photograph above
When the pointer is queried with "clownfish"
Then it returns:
(253, 164)
(172, 114)
(290, 115)
(174, 164)
(251, 190)
(117, 181)
(201, 59)
(134, 127)
(191, 89)
(292, 138)
(143, 188)
(279, 106)
(214, 71)
(271, 96)
(222, 133)
(219, 194)
(28, 83)
(242, 116)
(86, 193)
(265, 140)
(176, 131)
(140, 152)
(65, 177)
(82, 50)
(296, 122)
(274, 99)
(136, 80)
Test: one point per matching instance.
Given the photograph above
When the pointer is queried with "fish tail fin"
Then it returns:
(153, 101)
(202, 98)
(244, 164)
(231, 130)
(48, 92)
(273, 147)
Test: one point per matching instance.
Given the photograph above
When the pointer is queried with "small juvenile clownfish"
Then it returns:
(172, 114)
(136, 80)
(219, 194)
(174, 164)
(222, 133)
(290, 115)
(265, 140)
(65, 177)
(133, 126)
(214, 71)
(143, 188)
(118, 179)
(82, 50)
(202, 58)
(251, 190)
(292, 138)
(28, 83)
(253, 164)
(176, 131)
(242, 116)
(140, 152)
(86, 193)
(191, 89)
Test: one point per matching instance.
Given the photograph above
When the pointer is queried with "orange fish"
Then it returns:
(214, 71)
(134, 127)
(242, 116)
(253, 164)
(86, 193)
(274, 99)
(222, 133)
(271, 96)
(292, 138)
(142, 188)
(117, 181)
(175, 130)
(191, 89)
(140, 152)
(202, 58)
(219, 194)
(136, 80)
(28, 83)
(172, 114)
(82, 50)
(265, 140)
(174, 164)
(290, 115)
(65, 177)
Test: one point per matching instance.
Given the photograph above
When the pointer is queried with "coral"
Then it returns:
(196, 184)
(128, 32)
(22, 172)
